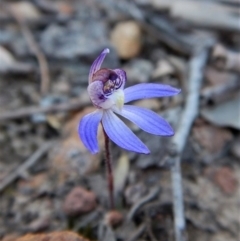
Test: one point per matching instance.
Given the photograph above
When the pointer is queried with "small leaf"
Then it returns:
(121, 173)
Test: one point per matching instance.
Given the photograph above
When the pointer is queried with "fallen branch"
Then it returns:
(190, 112)
(25, 166)
(29, 111)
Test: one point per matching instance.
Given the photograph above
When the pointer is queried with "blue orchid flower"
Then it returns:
(107, 93)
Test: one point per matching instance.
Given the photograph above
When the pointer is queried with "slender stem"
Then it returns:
(109, 170)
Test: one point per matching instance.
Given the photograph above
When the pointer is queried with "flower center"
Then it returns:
(106, 89)
(110, 80)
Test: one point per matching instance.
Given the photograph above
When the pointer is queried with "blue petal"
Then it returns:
(120, 134)
(147, 120)
(97, 64)
(144, 91)
(88, 128)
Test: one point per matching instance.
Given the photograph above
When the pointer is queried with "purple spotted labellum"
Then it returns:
(107, 93)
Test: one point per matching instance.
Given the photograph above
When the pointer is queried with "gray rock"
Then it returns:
(74, 40)
(139, 70)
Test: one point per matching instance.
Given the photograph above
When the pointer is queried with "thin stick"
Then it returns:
(190, 112)
(178, 206)
(43, 65)
(28, 111)
(27, 164)
(109, 169)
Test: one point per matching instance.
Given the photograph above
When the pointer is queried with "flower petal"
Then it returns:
(144, 91)
(97, 63)
(147, 120)
(122, 76)
(95, 91)
(120, 134)
(88, 128)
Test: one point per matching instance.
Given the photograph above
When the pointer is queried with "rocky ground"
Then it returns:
(49, 182)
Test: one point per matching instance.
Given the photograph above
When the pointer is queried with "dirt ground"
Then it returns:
(50, 182)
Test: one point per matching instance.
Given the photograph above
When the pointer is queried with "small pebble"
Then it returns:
(126, 38)
(225, 179)
(163, 68)
(25, 10)
(79, 201)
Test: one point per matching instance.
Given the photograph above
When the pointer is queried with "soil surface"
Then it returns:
(50, 182)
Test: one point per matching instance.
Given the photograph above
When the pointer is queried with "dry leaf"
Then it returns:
(211, 138)
(6, 59)
(121, 173)
(55, 236)
(70, 158)
(224, 114)
(226, 59)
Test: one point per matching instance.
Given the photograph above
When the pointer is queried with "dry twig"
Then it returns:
(190, 112)
(28, 111)
(24, 167)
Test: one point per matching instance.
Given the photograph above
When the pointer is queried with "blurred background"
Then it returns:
(50, 182)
